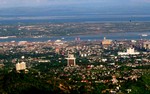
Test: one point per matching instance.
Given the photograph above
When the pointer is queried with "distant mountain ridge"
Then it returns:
(71, 10)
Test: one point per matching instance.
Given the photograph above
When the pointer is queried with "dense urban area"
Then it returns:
(77, 67)
(36, 30)
(74, 46)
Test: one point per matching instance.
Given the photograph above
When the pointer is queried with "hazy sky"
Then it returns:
(22, 3)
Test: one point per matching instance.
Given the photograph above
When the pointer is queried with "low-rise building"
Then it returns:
(129, 51)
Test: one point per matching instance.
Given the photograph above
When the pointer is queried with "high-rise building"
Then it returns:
(77, 39)
(20, 66)
(57, 50)
(146, 45)
(71, 60)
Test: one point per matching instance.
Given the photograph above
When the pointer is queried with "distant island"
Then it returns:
(40, 29)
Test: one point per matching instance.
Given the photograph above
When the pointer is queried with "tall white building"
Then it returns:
(71, 60)
(20, 66)
(129, 51)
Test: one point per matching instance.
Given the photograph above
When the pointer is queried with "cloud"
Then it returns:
(15, 3)
(24, 2)
(140, 1)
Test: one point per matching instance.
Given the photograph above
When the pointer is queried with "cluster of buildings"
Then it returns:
(130, 51)
(108, 75)
(85, 61)
(78, 51)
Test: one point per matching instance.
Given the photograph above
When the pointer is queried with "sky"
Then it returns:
(38, 3)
